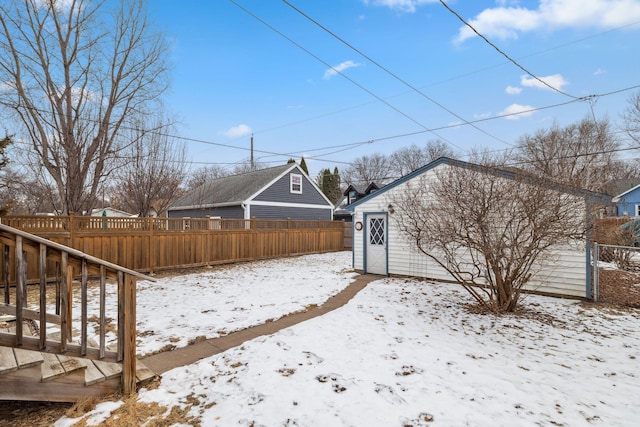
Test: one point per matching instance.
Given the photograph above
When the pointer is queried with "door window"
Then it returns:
(376, 233)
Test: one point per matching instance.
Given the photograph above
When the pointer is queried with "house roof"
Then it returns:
(231, 190)
(619, 187)
(510, 174)
(620, 196)
(360, 189)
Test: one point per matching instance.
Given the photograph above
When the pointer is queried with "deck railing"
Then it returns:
(59, 265)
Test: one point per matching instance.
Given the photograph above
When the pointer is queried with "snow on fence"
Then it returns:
(152, 244)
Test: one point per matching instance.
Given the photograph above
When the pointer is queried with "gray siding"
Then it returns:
(279, 192)
(277, 212)
(230, 212)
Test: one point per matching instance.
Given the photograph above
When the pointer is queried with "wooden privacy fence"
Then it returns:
(153, 244)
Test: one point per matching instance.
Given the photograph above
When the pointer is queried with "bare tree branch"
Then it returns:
(74, 74)
(486, 230)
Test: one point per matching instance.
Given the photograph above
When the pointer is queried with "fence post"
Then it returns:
(596, 271)
(288, 236)
(151, 245)
(72, 229)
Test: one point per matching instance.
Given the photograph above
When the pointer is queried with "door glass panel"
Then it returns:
(376, 231)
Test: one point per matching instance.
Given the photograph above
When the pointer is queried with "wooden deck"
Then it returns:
(41, 356)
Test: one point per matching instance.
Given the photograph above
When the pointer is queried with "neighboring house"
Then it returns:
(111, 212)
(281, 192)
(354, 193)
(379, 247)
(351, 195)
(628, 202)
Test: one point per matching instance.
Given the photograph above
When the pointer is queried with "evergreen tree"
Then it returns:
(303, 166)
(329, 183)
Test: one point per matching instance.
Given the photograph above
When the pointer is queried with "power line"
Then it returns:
(454, 78)
(298, 45)
(513, 61)
(392, 74)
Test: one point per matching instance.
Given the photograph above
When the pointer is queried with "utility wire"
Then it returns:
(370, 141)
(298, 45)
(513, 61)
(392, 74)
(450, 79)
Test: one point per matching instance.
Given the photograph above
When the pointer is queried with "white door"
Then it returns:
(376, 244)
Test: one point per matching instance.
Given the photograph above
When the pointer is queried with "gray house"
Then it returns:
(279, 192)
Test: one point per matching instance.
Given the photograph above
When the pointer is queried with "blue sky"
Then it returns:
(234, 76)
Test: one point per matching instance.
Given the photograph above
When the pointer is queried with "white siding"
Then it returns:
(562, 273)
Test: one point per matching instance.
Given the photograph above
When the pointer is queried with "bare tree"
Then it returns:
(247, 167)
(205, 174)
(73, 74)
(153, 172)
(487, 228)
(408, 159)
(366, 169)
(631, 118)
(582, 154)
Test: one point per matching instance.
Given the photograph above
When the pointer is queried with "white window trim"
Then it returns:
(291, 183)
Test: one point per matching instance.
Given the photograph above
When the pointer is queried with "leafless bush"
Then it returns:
(487, 228)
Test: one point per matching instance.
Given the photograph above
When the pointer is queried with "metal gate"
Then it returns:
(616, 272)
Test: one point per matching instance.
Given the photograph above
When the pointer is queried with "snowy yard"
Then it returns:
(402, 352)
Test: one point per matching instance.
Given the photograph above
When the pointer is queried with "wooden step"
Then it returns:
(92, 374)
(26, 358)
(144, 375)
(7, 360)
(109, 369)
(51, 368)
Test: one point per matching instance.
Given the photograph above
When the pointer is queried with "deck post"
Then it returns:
(20, 285)
(5, 273)
(129, 353)
(43, 295)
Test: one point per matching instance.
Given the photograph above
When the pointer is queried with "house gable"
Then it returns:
(265, 194)
(628, 203)
(279, 190)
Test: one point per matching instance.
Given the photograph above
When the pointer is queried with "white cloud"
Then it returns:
(513, 90)
(480, 116)
(507, 22)
(599, 72)
(516, 111)
(339, 68)
(236, 131)
(6, 86)
(555, 80)
(408, 6)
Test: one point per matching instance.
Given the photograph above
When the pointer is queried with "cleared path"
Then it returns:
(163, 362)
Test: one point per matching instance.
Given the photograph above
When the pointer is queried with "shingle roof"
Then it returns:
(511, 174)
(230, 190)
(617, 187)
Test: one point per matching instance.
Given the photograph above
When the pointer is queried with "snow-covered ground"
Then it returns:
(403, 352)
(176, 309)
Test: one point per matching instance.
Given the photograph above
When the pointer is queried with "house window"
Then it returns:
(295, 183)
(637, 210)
